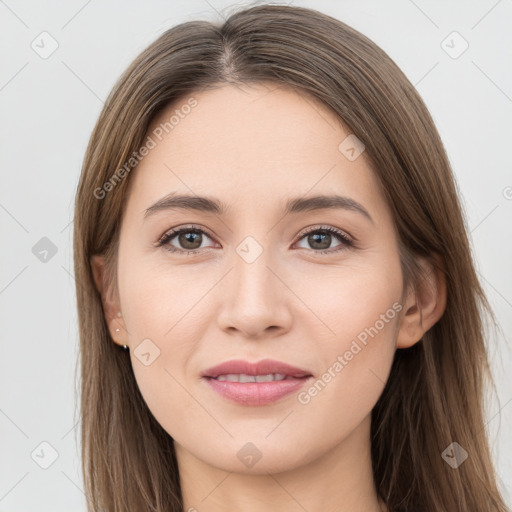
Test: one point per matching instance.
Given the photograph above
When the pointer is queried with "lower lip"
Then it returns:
(256, 393)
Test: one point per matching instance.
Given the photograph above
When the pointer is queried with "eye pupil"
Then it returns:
(323, 238)
(189, 238)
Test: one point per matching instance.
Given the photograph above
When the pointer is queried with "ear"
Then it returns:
(111, 306)
(423, 306)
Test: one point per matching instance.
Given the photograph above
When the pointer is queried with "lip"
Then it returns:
(256, 393)
(263, 367)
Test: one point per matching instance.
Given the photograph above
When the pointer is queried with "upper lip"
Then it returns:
(263, 367)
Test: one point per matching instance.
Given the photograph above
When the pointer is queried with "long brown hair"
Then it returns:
(435, 392)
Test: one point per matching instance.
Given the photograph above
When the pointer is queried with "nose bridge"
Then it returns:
(255, 299)
(251, 276)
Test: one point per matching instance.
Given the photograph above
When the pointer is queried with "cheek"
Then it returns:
(363, 311)
(164, 320)
(352, 299)
(355, 368)
(343, 396)
(162, 301)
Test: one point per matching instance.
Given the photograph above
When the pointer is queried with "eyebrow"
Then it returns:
(175, 201)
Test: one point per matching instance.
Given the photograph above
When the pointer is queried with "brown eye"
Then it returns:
(187, 240)
(320, 240)
(190, 239)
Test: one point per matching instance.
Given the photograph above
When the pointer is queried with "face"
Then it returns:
(316, 286)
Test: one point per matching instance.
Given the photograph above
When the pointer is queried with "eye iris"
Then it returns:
(188, 240)
(323, 238)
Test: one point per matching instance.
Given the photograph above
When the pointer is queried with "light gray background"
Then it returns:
(48, 109)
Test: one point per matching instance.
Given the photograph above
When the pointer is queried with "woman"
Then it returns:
(278, 307)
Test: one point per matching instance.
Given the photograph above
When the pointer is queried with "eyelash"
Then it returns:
(346, 241)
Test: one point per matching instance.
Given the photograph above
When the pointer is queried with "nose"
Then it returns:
(256, 300)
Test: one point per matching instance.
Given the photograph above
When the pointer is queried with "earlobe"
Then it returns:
(424, 305)
(111, 307)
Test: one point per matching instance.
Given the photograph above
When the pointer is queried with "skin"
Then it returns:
(253, 147)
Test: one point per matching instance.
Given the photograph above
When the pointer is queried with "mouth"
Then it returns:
(268, 368)
(253, 384)
(244, 378)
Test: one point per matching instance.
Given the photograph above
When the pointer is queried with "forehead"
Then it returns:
(257, 144)
(249, 120)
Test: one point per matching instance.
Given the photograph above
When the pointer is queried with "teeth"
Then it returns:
(265, 378)
(244, 378)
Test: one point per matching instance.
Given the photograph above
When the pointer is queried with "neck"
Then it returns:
(339, 480)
